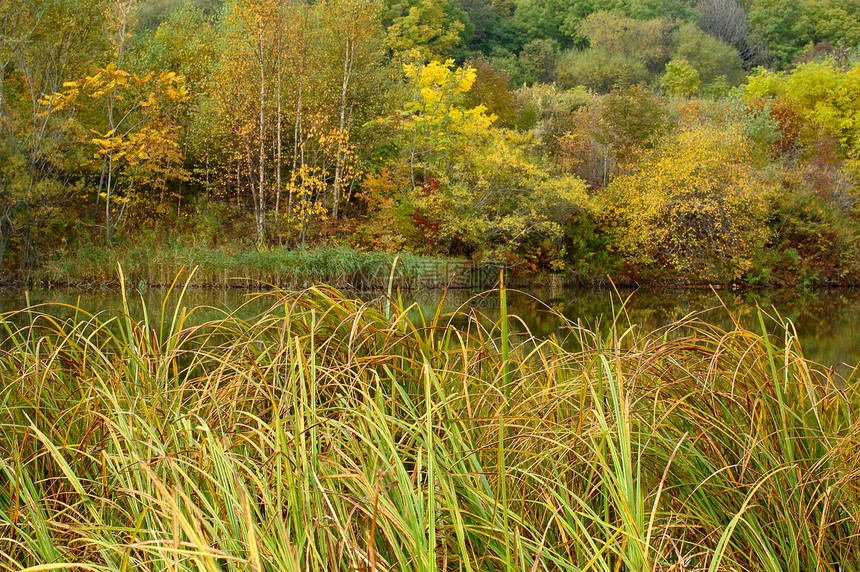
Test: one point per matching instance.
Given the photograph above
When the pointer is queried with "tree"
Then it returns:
(694, 206)
(681, 78)
(537, 62)
(602, 135)
(434, 122)
(154, 13)
(825, 96)
(327, 158)
(632, 120)
(352, 23)
(774, 23)
(184, 43)
(293, 64)
(500, 196)
(622, 51)
(552, 19)
(136, 137)
(710, 57)
(300, 36)
(835, 21)
(427, 26)
(242, 93)
(646, 40)
(726, 20)
(599, 70)
(492, 89)
(483, 15)
(42, 44)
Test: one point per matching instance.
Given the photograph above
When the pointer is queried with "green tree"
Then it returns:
(775, 24)
(537, 62)
(184, 43)
(552, 19)
(622, 51)
(500, 196)
(681, 78)
(835, 21)
(709, 56)
(483, 16)
(431, 27)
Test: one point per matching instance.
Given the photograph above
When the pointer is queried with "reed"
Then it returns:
(156, 264)
(331, 434)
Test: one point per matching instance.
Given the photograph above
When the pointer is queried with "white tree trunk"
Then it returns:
(260, 203)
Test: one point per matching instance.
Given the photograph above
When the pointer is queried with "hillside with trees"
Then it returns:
(665, 141)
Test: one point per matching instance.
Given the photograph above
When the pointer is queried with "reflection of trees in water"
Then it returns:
(827, 321)
(208, 304)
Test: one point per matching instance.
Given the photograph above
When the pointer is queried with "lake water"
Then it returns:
(827, 321)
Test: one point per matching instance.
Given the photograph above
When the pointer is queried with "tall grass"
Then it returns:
(331, 434)
(158, 264)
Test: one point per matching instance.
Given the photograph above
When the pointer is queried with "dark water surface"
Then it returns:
(827, 321)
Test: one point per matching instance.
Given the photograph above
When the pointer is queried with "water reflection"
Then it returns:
(827, 321)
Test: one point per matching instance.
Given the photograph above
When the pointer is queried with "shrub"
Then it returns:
(694, 207)
(500, 196)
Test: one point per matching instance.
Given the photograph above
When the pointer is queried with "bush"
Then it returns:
(500, 196)
(694, 207)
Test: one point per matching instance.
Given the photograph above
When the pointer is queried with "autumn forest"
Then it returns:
(663, 141)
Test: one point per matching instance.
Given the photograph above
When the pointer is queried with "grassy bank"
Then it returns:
(158, 265)
(327, 434)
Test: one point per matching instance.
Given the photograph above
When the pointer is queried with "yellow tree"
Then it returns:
(185, 44)
(281, 63)
(471, 183)
(825, 96)
(139, 135)
(427, 27)
(42, 44)
(327, 157)
(501, 196)
(434, 119)
(241, 94)
(694, 205)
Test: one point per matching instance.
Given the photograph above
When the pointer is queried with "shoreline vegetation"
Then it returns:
(343, 267)
(331, 434)
(248, 268)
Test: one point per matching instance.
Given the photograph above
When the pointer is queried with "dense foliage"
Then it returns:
(332, 434)
(671, 141)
